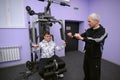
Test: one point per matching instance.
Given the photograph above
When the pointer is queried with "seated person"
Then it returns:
(47, 47)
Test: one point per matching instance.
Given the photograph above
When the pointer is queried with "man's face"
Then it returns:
(92, 23)
(47, 37)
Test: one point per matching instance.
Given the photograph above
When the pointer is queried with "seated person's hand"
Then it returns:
(64, 43)
(35, 46)
(70, 35)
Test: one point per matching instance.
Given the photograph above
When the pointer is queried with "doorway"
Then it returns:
(71, 26)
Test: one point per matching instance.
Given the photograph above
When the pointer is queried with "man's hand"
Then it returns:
(70, 35)
(78, 36)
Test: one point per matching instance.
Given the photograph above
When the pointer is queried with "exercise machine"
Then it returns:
(45, 21)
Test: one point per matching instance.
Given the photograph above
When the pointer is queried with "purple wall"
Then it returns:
(109, 11)
(19, 36)
(15, 37)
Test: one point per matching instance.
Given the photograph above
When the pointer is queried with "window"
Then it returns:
(12, 14)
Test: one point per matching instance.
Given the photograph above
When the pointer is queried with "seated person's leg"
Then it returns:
(61, 66)
(42, 63)
(59, 61)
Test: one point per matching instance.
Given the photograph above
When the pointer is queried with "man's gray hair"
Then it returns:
(94, 16)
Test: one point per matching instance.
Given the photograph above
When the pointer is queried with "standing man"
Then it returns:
(94, 38)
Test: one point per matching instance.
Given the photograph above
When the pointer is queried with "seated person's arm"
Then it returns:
(60, 47)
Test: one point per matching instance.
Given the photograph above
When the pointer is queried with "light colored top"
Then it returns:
(48, 48)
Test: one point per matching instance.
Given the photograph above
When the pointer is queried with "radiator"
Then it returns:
(9, 53)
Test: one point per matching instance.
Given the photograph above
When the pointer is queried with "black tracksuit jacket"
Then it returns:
(94, 41)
